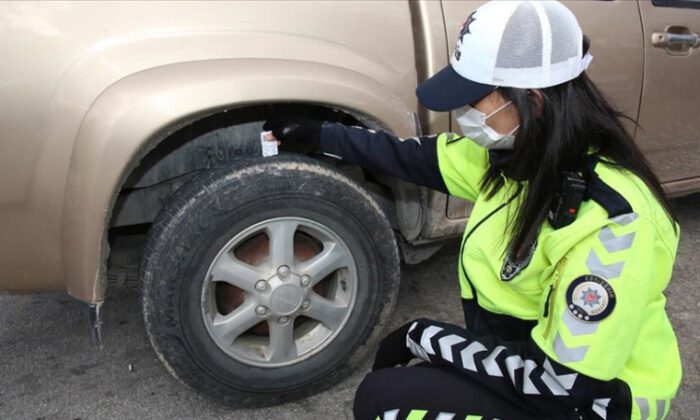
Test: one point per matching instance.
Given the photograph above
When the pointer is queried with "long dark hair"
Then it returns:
(575, 117)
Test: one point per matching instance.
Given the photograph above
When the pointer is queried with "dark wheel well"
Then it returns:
(205, 143)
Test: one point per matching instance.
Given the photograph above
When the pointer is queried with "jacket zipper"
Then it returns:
(464, 242)
(549, 302)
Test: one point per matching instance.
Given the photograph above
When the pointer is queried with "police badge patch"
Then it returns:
(590, 298)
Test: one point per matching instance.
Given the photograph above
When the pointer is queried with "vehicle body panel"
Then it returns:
(432, 53)
(670, 135)
(72, 59)
(112, 135)
(91, 87)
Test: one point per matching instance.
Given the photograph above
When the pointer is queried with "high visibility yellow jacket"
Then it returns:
(578, 322)
(615, 268)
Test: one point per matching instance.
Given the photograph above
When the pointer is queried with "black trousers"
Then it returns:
(428, 392)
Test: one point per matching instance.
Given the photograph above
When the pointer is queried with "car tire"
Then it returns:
(214, 265)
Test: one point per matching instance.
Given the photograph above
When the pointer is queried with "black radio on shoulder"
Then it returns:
(565, 205)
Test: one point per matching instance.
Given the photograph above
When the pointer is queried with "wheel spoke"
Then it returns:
(329, 313)
(282, 347)
(228, 327)
(235, 272)
(329, 260)
(281, 236)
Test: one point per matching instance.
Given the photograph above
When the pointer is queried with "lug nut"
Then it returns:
(306, 304)
(283, 320)
(305, 280)
(261, 286)
(261, 310)
(283, 271)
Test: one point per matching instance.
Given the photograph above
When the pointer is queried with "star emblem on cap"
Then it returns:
(465, 25)
(590, 297)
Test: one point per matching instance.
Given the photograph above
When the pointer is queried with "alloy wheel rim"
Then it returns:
(279, 292)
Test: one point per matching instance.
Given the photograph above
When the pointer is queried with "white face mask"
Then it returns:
(473, 125)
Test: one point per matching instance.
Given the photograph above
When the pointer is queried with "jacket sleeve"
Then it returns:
(413, 160)
(590, 320)
(598, 295)
(421, 160)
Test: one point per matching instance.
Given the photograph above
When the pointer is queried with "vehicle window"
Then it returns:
(683, 4)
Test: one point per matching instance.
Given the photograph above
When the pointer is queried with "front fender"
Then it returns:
(136, 112)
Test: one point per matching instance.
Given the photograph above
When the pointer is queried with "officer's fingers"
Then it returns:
(271, 137)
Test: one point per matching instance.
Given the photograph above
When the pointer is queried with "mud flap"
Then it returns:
(94, 317)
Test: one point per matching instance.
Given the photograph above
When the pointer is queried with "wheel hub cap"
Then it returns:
(285, 298)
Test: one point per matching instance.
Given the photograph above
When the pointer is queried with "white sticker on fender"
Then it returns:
(269, 147)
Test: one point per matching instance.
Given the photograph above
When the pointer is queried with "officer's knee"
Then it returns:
(364, 406)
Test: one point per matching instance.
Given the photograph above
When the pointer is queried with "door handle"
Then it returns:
(677, 40)
(665, 39)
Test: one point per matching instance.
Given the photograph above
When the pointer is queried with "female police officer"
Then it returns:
(568, 249)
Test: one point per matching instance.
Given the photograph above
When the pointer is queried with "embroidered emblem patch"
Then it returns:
(590, 298)
(512, 268)
(465, 26)
(462, 32)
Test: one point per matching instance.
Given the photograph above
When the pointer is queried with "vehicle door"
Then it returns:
(670, 135)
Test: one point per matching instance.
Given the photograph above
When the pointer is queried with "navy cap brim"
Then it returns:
(447, 90)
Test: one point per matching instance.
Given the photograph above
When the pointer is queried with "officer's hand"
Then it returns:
(393, 350)
(294, 128)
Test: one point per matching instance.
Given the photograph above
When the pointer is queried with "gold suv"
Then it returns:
(130, 153)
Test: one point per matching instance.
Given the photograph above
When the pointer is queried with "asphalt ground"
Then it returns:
(50, 370)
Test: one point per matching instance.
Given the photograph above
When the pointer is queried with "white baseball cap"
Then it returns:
(520, 44)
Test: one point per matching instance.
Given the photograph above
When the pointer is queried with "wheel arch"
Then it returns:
(138, 112)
